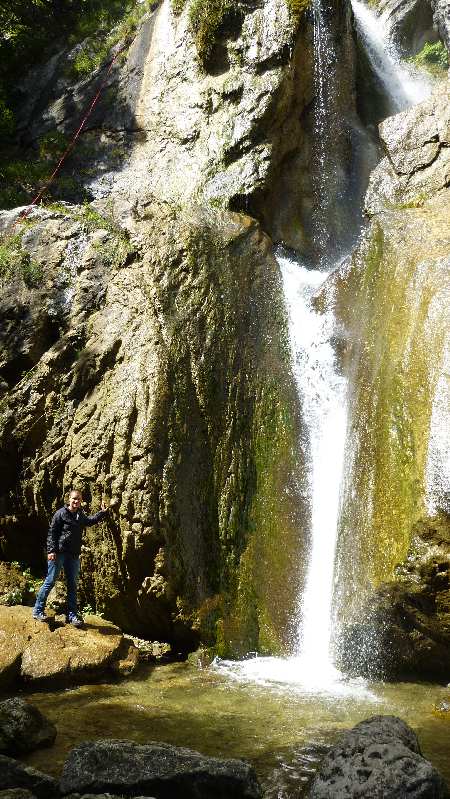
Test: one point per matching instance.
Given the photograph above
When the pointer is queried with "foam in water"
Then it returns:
(404, 84)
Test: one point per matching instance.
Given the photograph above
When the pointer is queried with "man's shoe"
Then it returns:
(39, 616)
(75, 621)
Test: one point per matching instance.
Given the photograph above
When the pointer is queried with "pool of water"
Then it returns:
(273, 722)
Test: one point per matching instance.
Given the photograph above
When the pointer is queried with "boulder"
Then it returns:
(23, 727)
(127, 768)
(17, 775)
(377, 759)
(60, 654)
(417, 162)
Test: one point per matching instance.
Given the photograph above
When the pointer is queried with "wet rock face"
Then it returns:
(441, 16)
(405, 627)
(410, 23)
(399, 281)
(36, 653)
(168, 771)
(170, 345)
(23, 728)
(379, 759)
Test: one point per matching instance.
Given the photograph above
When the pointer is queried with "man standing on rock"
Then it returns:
(63, 548)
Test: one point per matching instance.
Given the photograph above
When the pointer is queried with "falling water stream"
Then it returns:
(403, 84)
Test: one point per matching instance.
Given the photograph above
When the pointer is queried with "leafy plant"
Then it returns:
(433, 57)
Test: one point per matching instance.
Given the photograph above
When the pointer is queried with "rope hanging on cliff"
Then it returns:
(23, 215)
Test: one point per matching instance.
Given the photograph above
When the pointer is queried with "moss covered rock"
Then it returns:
(393, 295)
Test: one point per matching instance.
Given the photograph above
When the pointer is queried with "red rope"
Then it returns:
(23, 215)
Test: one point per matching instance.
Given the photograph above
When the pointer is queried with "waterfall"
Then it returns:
(324, 166)
(403, 84)
(322, 389)
(322, 392)
(438, 461)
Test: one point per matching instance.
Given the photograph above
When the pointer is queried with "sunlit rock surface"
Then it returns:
(37, 653)
(378, 758)
(394, 296)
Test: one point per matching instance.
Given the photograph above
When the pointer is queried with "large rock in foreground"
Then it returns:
(169, 772)
(378, 759)
(15, 775)
(23, 728)
(36, 653)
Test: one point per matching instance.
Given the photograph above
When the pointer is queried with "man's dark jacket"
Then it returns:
(67, 528)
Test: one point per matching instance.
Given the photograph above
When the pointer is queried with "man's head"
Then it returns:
(75, 500)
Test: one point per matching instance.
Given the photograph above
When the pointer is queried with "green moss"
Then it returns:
(389, 295)
(207, 19)
(298, 7)
(15, 260)
(433, 57)
(177, 6)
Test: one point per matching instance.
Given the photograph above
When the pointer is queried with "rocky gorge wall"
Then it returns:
(144, 352)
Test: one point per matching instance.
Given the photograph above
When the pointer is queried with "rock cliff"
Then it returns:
(391, 551)
(143, 353)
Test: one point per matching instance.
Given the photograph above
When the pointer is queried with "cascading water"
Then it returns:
(403, 84)
(322, 392)
(322, 389)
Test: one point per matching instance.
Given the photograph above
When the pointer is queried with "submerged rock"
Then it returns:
(23, 727)
(17, 775)
(171, 772)
(36, 653)
(378, 759)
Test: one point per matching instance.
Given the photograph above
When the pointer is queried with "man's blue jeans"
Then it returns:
(71, 566)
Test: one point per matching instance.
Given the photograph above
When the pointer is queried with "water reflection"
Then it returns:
(281, 732)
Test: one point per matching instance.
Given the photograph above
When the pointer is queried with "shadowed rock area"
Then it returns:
(131, 769)
(23, 727)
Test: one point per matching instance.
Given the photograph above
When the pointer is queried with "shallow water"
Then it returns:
(269, 724)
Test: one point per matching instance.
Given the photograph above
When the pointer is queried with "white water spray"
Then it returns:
(403, 83)
(322, 392)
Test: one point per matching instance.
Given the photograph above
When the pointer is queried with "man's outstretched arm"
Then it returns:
(88, 521)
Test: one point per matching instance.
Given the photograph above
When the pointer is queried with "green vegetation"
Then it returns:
(100, 39)
(297, 7)
(23, 177)
(21, 586)
(177, 6)
(432, 57)
(14, 259)
(32, 31)
(207, 19)
(118, 247)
